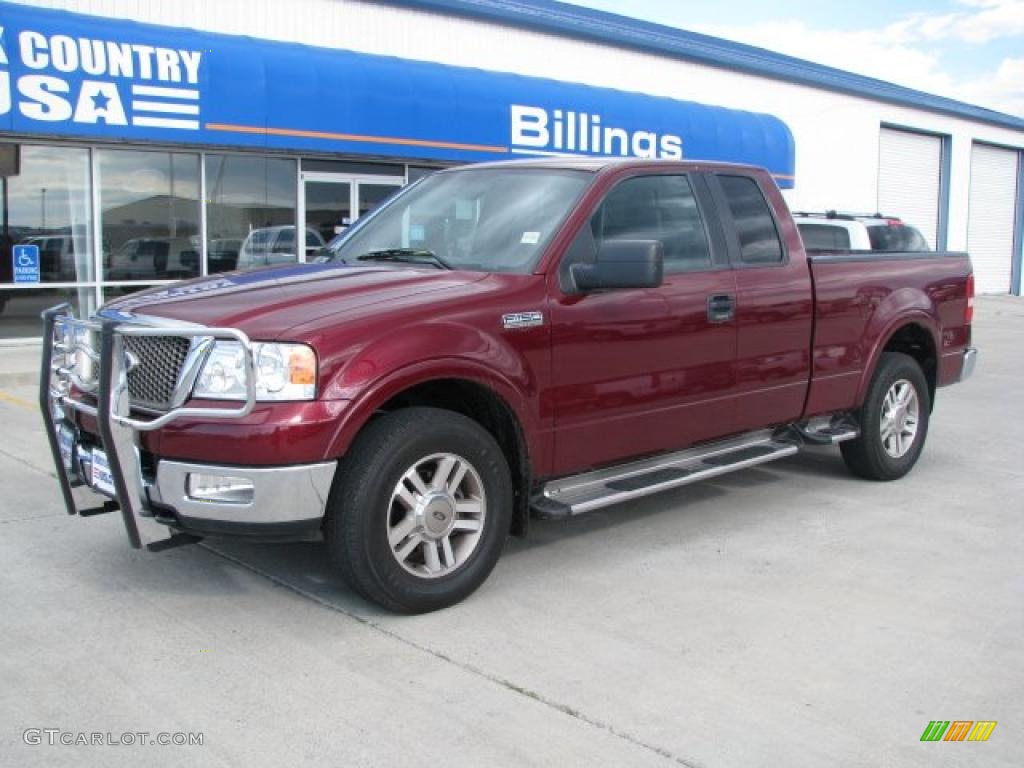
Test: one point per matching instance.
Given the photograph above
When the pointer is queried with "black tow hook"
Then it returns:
(173, 541)
(106, 506)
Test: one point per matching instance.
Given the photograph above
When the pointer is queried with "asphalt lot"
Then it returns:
(790, 615)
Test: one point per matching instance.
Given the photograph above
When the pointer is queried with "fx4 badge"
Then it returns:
(522, 319)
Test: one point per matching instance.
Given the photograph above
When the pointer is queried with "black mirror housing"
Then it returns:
(622, 264)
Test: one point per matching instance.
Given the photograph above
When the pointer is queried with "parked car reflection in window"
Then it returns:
(276, 245)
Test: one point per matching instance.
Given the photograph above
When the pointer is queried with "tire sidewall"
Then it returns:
(445, 433)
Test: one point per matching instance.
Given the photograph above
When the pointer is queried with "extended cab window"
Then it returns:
(759, 240)
(656, 208)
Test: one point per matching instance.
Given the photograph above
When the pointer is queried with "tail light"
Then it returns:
(969, 311)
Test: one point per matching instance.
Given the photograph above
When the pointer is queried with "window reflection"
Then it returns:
(250, 213)
(47, 204)
(150, 214)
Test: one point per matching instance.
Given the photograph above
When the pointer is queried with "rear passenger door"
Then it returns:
(774, 304)
(643, 370)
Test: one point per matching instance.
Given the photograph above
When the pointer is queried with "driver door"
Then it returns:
(638, 371)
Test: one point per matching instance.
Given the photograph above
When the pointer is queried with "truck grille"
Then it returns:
(160, 359)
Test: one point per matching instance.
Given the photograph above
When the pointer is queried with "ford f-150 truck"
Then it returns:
(498, 342)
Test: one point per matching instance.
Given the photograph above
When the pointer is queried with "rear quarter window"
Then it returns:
(824, 237)
(759, 239)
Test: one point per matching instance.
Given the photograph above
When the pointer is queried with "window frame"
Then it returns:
(731, 230)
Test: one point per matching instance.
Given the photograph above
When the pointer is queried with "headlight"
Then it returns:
(283, 372)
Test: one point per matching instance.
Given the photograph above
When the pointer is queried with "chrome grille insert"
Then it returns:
(154, 376)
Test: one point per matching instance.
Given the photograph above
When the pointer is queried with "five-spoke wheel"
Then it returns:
(436, 515)
(900, 415)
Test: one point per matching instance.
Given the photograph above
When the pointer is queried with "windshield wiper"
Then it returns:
(407, 255)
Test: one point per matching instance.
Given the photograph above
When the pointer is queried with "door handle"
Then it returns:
(721, 307)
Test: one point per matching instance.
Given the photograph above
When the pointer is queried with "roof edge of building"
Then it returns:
(600, 26)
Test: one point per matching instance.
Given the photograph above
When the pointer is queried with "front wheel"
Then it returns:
(420, 510)
(893, 419)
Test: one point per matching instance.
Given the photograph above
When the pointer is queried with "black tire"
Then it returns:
(867, 455)
(361, 508)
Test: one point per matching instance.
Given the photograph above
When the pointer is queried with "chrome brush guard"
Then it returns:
(60, 388)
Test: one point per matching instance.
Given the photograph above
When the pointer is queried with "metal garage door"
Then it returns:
(990, 223)
(909, 179)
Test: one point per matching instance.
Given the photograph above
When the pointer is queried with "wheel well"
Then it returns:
(491, 412)
(916, 341)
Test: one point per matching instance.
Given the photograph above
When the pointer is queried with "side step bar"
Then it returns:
(601, 488)
(825, 431)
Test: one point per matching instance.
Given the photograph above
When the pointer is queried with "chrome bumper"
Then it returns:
(113, 468)
(279, 495)
(970, 360)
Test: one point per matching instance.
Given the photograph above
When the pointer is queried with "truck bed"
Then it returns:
(860, 295)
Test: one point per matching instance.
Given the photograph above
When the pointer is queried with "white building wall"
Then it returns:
(836, 135)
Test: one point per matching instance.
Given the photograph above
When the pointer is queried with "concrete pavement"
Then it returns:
(19, 364)
(786, 615)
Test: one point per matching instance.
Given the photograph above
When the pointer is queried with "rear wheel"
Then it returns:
(893, 419)
(420, 510)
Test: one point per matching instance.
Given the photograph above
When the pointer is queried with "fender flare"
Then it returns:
(904, 318)
(362, 408)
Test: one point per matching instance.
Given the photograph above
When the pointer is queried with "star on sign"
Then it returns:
(100, 101)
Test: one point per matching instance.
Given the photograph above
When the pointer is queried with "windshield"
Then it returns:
(491, 220)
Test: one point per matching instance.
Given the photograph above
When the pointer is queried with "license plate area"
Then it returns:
(101, 479)
(66, 441)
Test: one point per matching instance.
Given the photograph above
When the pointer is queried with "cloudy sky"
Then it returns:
(971, 50)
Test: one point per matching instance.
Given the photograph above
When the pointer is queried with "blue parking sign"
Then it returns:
(26, 263)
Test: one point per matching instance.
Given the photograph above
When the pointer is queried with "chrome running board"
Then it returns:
(604, 487)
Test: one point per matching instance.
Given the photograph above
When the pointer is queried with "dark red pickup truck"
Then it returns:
(499, 341)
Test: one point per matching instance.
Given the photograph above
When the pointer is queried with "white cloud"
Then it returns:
(1002, 89)
(896, 53)
(980, 22)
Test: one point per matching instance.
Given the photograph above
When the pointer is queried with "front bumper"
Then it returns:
(284, 500)
(155, 496)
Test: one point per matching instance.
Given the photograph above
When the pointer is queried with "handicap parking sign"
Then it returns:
(26, 263)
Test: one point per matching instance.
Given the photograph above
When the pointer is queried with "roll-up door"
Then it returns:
(910, 179)
(992, 215)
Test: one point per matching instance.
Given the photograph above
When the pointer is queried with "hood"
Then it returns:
(266, 303)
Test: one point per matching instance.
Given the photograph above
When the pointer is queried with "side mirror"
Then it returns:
(622, 264)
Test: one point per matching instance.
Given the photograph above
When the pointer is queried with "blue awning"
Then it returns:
(73, 75)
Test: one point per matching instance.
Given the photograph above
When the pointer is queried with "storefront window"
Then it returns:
(46, 205)
(250, 213)
(150, 214)
(46, 235)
